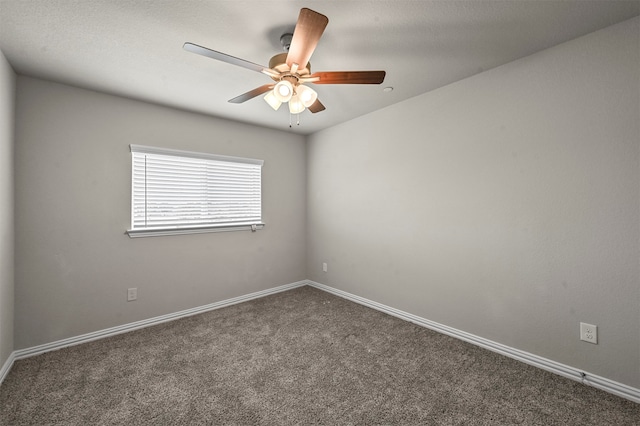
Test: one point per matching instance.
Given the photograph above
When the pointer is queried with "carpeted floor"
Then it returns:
(299, 357)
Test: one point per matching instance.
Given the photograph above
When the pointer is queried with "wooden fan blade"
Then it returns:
(251, 94)
(349, 77)
(306, 35)
(194, 48)
(316, 106)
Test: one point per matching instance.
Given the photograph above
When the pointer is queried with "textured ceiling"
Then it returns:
(134, 48)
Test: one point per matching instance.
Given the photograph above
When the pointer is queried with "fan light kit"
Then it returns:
(291, 71)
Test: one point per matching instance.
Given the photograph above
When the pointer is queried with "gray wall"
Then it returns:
(73, 184)
(7, 101)
(505, 205)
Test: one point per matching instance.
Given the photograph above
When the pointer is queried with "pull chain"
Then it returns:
(297, 120)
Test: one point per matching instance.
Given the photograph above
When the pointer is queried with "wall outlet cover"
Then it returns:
(589, 333)
(132, 294)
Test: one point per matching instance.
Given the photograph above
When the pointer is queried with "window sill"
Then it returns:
(161, 232)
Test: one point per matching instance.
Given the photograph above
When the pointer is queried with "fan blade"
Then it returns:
(194, 48)
(316, 106)
(348, 77)
(306, 35)
(251, 94)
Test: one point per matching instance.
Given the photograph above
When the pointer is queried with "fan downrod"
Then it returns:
(285, 41)
(279, 62)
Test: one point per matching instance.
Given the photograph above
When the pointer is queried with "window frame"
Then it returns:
(186, 228)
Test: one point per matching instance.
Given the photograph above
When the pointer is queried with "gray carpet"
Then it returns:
(299, 357)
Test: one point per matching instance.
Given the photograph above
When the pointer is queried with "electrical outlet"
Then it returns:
(589, 333)
(132, 294)
(324, 267)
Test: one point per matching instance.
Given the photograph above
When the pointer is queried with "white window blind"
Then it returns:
(181, 191)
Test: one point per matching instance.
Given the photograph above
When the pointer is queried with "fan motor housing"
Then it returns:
(279, 63)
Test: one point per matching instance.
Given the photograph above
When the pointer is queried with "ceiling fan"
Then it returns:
(291, 70)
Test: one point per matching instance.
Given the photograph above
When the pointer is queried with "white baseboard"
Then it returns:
(616, 388)
(603, 383)
(101, 334)
(7, 366)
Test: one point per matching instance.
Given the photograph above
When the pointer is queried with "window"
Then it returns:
(177, 192)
